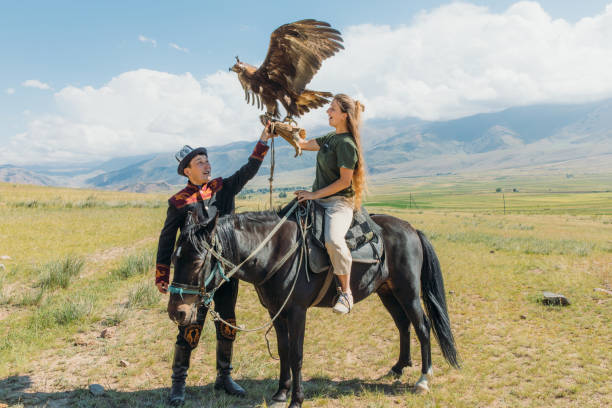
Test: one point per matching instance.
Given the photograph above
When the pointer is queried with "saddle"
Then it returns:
(363, 239)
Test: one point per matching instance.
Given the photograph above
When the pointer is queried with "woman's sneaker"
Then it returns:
(344, 304)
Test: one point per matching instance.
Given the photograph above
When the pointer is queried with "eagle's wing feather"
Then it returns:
(296, 51)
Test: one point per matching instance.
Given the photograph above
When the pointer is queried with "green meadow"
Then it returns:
(554, 194)
(81, 264)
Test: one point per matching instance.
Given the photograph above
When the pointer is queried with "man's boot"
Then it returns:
(179, 374)
(224, 368)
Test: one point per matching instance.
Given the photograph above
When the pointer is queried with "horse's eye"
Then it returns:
(178, 251)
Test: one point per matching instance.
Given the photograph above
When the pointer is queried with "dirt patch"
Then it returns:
(116, 252)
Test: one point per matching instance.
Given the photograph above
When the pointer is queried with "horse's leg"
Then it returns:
(282, 339)
(408, 296)
(297, 325)
(403, 326)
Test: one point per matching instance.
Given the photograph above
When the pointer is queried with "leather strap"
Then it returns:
(324, 288)
(280, 263)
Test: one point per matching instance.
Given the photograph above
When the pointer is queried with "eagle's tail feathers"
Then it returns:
(311, 100)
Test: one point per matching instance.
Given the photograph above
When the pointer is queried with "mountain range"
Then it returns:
(542, 137)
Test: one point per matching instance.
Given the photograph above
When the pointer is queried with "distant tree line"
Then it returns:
(282, 191)
(499, 190)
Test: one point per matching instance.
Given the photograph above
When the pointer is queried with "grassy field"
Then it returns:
(81, 262)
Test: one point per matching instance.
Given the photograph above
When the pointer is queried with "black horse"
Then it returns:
(412, 267)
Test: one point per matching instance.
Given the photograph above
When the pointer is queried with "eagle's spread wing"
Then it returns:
(296, 52)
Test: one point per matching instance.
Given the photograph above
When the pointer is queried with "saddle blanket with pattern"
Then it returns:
(364, 239)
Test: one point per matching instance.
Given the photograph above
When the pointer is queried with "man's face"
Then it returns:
(198, 170)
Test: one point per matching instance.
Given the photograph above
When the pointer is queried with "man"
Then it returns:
(204, 197)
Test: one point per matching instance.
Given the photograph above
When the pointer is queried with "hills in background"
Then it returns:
(523, 139)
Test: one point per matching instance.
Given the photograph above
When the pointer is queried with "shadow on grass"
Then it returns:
(13, 391)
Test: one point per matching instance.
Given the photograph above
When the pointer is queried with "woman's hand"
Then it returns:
(266, 134)
(303, 195)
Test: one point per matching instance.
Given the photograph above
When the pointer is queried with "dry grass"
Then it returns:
(516, 351)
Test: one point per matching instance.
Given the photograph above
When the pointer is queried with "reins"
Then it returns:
(207, 297)
(272, 164)
(303, 254)
(236, 268)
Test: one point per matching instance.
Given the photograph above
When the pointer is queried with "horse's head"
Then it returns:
(192, 267)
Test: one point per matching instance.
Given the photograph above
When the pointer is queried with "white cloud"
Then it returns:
(144, 39)
(179, 48)
(453, 61)
(10, 91)
(462, 59)
(35, 83)
(138, 112)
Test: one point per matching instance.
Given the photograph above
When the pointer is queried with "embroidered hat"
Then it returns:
(185, 155)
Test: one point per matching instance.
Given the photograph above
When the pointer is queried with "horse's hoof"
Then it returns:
(280, 396)
(276, 404)
(391, 375)
(421, 386)
(421, 389)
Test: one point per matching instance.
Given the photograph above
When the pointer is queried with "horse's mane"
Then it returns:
(228, 224)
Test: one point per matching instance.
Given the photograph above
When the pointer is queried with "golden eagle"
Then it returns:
(294, 56)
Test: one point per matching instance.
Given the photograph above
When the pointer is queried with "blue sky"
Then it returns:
(58, 57)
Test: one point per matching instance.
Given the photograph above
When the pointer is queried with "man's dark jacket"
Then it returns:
(217, 195)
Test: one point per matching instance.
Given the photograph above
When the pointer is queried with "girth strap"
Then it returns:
(324, 288)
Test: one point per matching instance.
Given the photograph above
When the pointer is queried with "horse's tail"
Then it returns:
(432, 287)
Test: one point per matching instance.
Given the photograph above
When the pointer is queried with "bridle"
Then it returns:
(215, 249)
(200, 289)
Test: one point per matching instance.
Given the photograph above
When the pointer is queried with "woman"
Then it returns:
(338, 186)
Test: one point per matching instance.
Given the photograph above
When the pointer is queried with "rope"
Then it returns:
(303, 253)
(255, 251)
(207, 297)
(217, 317)
(272, 163)
(268, 343)
(302, 221)
(280, 263)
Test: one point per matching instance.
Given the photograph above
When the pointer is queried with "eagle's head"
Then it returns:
(242, 67)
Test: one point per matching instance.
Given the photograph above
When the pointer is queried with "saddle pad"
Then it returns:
(318, 259)
(361, 231)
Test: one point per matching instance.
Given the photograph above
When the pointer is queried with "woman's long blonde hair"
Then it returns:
(353, 110)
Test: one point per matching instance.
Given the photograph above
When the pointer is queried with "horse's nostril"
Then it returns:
(181, 316)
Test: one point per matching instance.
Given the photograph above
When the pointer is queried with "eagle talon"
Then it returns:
(264, 119)
(290, 121)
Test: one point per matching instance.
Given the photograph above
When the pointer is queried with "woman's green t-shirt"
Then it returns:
(335, 151)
